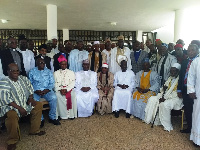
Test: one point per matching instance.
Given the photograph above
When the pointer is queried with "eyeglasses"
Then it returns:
(41, 62)
(13, 70)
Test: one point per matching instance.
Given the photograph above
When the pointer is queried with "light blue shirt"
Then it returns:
(76, 58)
(41, 79)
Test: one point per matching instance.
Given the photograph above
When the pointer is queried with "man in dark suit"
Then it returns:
(11, 55)
(63, 52)
(137, 57)
(192, 52)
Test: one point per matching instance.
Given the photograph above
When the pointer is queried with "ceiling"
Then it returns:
(130, 15)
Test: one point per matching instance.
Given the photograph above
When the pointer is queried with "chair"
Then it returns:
(45, 104)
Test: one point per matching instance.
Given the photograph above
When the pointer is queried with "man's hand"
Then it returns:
(32, 101)
(165, 88)
(63, 91)
(192, 95)
(179, 94)
(126, 86)
(145, 90)
(162, 99)
(38, 92)
(120, 85)
(85, 89)
(22, 111)
(45, 91)
(139, 89)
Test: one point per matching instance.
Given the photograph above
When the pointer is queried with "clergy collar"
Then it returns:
(138, 51)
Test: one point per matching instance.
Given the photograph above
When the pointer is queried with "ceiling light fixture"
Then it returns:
(113, 23)
(4, 21)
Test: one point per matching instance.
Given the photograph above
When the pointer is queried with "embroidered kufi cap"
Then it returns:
(96, 42)
(105, 65)
(121, 37)
(177, 65)
(86, 61)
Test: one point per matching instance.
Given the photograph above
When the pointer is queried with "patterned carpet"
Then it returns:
(103, 132)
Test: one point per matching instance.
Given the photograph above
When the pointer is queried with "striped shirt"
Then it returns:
(18, 92)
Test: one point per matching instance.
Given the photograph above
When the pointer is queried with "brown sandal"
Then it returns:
(39, 133)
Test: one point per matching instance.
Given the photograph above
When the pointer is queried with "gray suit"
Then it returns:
(137, 66)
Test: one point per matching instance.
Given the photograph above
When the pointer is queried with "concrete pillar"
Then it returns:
(179, 25)
(139, 35)
(65, 34)
(51, 21)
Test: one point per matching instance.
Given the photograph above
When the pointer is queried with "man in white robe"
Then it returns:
(106, 53)
(54, 49)
(124, 83)
(77, 56)
(28, 56)
(193, 89)
(86, 90)
(166, 100)
(117, 54)
(64, 88)
(165, 63)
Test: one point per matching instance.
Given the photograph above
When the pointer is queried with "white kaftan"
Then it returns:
(193, 86)
(53, 52)
(86, 100)
(172, 101)
(65, 79)
(28, 59)
(113, 65)
(76, 58)
(122, 98)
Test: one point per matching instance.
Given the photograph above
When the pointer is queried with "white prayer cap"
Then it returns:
(86, 61)
(105, 65)
(54, 37)
(89, 44)
(177, 65)
(96, 42)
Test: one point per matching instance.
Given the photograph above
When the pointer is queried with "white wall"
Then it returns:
(165, 34)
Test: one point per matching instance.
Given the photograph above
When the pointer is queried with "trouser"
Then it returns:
(52, 99)
(12, 123)
(188, 108)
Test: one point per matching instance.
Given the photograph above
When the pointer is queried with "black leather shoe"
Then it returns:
(117, 114)
(128, 115)
(55, 122)
(42, 124)
(185, 131)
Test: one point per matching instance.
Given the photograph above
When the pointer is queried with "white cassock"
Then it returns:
(193, 86)
(65, 79)
(76, 58)
(122, 98)
(113, 65)
(28, 59)
(53, 52)
(172, 101)
(86, 100)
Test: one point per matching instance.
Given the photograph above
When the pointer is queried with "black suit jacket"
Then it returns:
(46, 59)
(56, 63)
(6, 59)
(182, 72)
